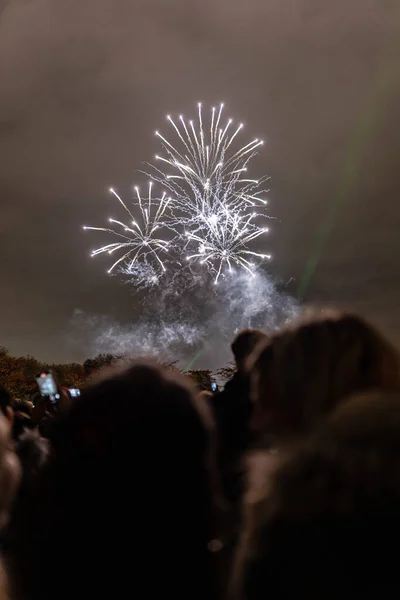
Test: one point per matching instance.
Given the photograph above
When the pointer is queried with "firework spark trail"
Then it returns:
(213, 208)
(137, 241)
(214, 200)
(204, 177)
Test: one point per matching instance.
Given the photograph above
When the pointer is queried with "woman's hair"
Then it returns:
(126, 500)
(329, 523)
(303, 372)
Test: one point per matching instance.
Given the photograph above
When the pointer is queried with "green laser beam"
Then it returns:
(368, 122)
(193, 361)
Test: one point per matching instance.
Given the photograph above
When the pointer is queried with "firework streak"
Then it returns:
(209, 211)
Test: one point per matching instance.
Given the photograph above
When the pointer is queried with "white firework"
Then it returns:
(140, 250)
(226, 244)
(210, 207)
(214, 200)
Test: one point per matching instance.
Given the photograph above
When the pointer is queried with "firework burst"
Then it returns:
(210, 203)
(226, 245)
(214, 200)
(203, 172)
(140, 249)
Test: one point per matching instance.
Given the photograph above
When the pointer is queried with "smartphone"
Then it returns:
(213, 387)
(75, 393)
(48, 386)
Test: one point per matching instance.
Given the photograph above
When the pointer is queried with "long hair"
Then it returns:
(304, 371)
(329, 522)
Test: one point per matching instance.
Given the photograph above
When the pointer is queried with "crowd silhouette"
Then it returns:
(284, 484)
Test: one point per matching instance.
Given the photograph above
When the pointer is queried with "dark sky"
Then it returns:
(84, 84)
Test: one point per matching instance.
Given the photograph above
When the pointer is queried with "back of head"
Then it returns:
(305, 371)
(331, 522)
(125, 502)
(244, 344)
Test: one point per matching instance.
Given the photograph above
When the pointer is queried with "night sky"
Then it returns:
(83, 86)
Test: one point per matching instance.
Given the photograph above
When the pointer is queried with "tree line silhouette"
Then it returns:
(18, 374)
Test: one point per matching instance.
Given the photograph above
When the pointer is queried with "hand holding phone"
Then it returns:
(48, 386)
